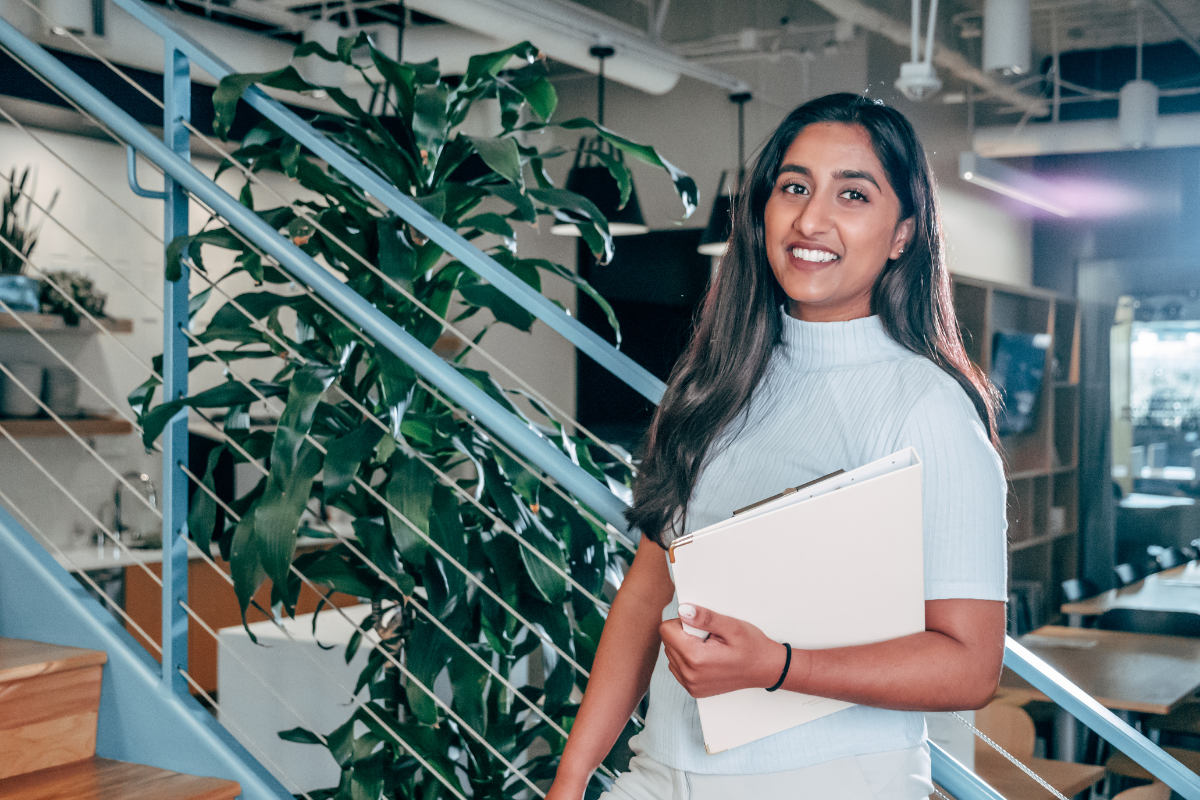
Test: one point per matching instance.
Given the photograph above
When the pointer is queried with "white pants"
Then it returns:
(891, 775)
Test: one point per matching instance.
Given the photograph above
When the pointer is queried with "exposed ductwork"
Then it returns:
(862, 15)
(567, 31)
(1087, 136)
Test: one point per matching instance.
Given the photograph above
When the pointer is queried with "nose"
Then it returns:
(816, 217)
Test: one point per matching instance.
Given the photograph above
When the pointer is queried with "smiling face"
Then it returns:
(832, 222)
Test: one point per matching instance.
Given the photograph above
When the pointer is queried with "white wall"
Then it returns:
(985, 241)
(114, 241)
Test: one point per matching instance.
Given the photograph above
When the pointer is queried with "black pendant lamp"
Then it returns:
(720, 222)
(590, 177)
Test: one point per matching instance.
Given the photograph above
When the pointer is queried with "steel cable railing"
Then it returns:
(308, 216)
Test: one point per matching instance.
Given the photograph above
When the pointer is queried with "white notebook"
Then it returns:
(835, 563)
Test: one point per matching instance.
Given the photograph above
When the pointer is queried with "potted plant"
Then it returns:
(20, 235)
(417, 145)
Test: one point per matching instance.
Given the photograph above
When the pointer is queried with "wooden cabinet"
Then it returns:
(213, 600)
(1042, 462)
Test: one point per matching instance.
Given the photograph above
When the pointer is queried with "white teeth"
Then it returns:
(818, 256)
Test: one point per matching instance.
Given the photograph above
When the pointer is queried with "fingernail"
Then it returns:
(687, 610)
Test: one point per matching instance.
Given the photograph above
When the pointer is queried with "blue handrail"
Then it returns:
(587, 340)
(382, 330)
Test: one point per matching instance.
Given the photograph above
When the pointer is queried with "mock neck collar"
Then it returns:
(835, 345)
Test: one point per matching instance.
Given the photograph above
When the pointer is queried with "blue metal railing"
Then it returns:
(172, 158)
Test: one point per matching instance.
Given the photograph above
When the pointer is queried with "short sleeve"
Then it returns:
(966, 551)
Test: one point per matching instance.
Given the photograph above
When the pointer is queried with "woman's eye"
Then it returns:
(853, 194)
(795, 188)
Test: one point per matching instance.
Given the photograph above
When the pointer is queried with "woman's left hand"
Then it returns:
(736, 654)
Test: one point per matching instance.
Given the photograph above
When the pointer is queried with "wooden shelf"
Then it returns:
(1042, 462)
(1035, 541)
(53, 323)
(35, 428)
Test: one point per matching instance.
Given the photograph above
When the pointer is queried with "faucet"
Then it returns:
(137, 479)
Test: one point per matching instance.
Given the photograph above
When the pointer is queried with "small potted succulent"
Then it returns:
(79, 287)
(20, 235)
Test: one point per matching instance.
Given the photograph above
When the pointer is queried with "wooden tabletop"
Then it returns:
(1123, 671)
(1175, 589)
(1004, 777)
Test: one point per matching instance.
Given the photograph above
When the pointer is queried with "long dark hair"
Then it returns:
(740, 322)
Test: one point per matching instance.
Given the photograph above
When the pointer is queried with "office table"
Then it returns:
(1176, 589)
(1135, 672)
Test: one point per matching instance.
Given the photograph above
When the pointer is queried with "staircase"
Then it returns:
(49, 708)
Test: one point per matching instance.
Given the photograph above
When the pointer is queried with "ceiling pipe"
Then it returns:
(1086, 136)
(862, 15)
(566, 32)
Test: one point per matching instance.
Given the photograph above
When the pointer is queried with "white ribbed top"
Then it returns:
(838, 395)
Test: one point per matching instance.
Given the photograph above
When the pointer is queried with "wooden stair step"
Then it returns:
(104, 779)
(49, 704)
(22, 658)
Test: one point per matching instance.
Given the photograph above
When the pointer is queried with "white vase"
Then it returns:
(16, 402)
(61, 391)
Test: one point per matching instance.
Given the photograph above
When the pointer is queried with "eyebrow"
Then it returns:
(842, 174)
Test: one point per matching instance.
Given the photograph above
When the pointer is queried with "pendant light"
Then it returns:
(1137, 112)
(720, 222)
(590, 177)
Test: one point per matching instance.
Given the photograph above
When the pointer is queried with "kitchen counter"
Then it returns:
(90, 559)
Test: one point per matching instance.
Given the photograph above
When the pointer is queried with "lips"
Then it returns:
(812, 254)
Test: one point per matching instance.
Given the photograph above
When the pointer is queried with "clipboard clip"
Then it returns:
(786, 492)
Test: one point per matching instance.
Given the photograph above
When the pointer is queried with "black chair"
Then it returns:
(1141, 620)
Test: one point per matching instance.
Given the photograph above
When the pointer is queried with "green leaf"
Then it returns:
(538, 91)
(294, 465)
(488, 65)
(345, 455)
(232, 87)
(203, 514)
(425, 658)
(489, 222)
(409, 491)
(232, 325)
(550, 584)
(429, 120)
(685, 187)
(502, 156)
(522, 204)
(197, 301)
(505, 309)
(277, 514)
(244, 566)
(597, 236)
(300, 736)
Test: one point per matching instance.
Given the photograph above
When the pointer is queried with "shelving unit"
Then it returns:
(1041, 464)
(53, 323)
(35, 428)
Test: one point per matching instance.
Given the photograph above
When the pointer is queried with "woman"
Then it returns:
(827, 340)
